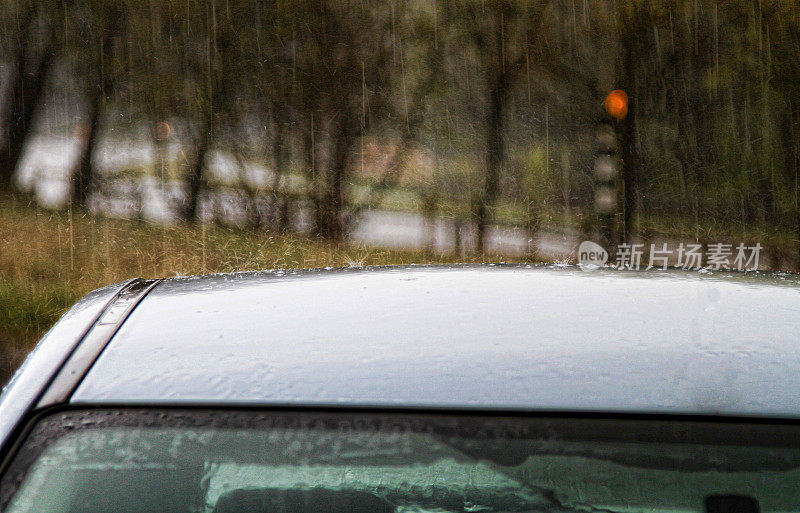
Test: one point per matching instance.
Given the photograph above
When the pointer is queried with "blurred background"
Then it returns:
(161, 137)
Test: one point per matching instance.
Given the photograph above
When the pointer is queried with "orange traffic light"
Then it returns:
(617, 104)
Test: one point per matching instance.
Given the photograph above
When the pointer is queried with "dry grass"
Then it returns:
(49, 260)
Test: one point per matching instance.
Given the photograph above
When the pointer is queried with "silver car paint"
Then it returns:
(488, 337)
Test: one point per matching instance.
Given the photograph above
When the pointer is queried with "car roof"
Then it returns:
(490, 337)
(510, 337)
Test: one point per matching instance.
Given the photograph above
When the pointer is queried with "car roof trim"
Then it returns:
(96, 339)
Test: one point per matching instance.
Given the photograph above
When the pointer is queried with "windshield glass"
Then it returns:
(206, 461)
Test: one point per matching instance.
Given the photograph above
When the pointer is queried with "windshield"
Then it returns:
(158, 138)
(247, 462)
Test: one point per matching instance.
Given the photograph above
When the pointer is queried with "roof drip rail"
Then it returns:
(97, 338)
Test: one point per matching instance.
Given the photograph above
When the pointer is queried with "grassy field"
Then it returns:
(49, 260)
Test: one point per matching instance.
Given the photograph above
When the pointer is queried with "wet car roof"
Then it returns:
(502, 337)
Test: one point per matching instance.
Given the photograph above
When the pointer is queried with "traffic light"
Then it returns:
(617, 104)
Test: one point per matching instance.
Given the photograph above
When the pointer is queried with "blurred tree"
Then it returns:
(30, 38)
(520, 54)
(784, 50)
(497, 39)
(99, 27)
(348, 63)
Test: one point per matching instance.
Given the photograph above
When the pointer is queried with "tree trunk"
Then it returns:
(790, 136)
(495, 154)
(630, 168)
(309, 143)
(196, 177)
(429, 206)
(24, 95)
(280, 203)
(795, 158)
(99, 88)
(627, 136)
(83, 176)
(250, 194)
(333, 227)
